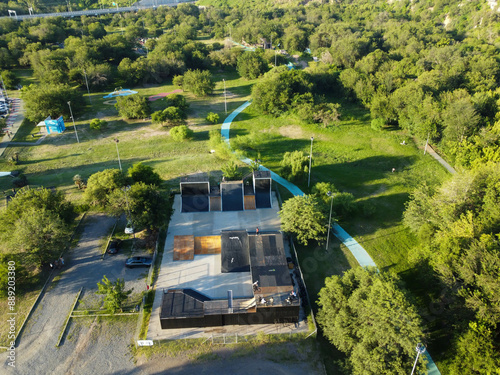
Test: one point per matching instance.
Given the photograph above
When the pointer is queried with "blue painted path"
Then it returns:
(354, 247)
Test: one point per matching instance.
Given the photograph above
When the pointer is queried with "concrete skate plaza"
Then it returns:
(203, 273)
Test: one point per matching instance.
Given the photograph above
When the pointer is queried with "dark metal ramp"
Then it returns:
(232, 196)
(234, 252)
(263, 193)
(195, 203)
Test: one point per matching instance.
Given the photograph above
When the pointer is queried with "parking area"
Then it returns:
(84, 268)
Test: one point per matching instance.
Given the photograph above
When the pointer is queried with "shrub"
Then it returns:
(181, 133)
(213, 117)
(378, 123)
(97, 124)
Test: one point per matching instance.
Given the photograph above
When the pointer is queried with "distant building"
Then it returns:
(53, 126)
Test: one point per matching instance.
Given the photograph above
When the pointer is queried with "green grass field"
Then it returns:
(354, 157)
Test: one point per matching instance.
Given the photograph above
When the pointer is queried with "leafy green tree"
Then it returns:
(44, 199)
(39, 235)
(149, 208)
(133, 106)
(327, 113)
(302, 216)
(294, 165)
(115, 293)
(251, 65)
(101, 184)
(475, 352)
(144, 173)
(342, 203)
(181, 133)
(173, 116)
(159, 117)
(199, 82)
(42, 101)
(10, 80)
(177, 100)
(178, 80)
(212, 117)
(367, 315)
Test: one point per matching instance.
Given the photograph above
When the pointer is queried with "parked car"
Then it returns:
(114, 246)
(138, 262)
(129, 229)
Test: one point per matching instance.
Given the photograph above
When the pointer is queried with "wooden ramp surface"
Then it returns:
(183, 247)
(249, 202)
(207, 245)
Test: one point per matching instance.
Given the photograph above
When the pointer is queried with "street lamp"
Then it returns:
(118, 153)
(330, 194)
(310, 160)
(225, 99)
(72, 118)
(420, 350)
(87, 83)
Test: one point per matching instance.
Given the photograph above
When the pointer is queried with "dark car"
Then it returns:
(138, 262)
(114, 246)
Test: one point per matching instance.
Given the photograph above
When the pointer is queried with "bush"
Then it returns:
(177, 100)
(97, 124)
(230, 171)
(213, 117)
(294, 165)
(181, 133)
(20, 181)
(178, 81)
(378, 123)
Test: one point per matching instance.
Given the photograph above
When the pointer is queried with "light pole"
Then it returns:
(118, 153)
(330, 194)
(72, 118)
(420, 350)
(87, 83)
(310, 160)
(275, 54)
(225, 99)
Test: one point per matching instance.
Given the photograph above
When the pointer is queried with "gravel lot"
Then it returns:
(104, 346)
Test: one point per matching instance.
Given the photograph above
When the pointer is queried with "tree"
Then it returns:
(181, 133)
(251, 65)
(44, 199)
(10, 80)
(42, 101)
(212, 117)
(327, 113)
(294, 165)
(173, 116)
(101, 184)
(177, 100)
(475, 352)
(148, 206)
(133, 106)
(366, 315)
(199, 82)
(39, 235)
(144, 173)
(115, 293)
(302, 216)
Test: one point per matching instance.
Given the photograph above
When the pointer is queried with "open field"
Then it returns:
(351, 155)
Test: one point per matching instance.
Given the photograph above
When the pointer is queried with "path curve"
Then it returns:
(354, 247)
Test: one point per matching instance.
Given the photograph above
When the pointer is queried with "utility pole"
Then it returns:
(72, 118)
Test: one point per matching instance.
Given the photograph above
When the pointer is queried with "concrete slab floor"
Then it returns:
(203, 273)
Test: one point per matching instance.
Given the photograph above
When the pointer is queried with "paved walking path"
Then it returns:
(14, 121)
(354, 247)
(435, 155)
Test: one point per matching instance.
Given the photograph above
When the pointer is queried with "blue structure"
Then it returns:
(120, 92)
(54, 126)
